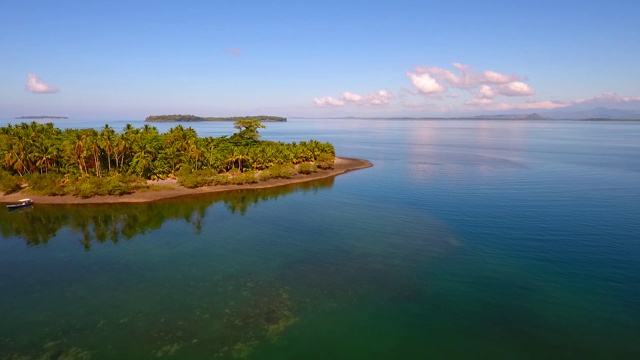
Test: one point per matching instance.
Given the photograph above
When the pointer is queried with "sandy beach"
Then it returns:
(341, 166)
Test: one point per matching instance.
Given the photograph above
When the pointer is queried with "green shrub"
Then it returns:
(85, 187)
(266, 175)
(46, 184)
(221, 179)
(134, 181)
(237, 180)
(183, 171)
(248, 177)
(84, 191)
(9, 183)
(325, 161)
(284, 171)
(194, 181)
(117, 186)
(190, 182)
(307, 168)
(197, 179)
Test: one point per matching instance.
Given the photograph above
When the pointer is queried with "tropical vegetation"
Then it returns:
(87, 162)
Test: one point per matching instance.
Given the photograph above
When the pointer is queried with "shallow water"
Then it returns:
(467, 239)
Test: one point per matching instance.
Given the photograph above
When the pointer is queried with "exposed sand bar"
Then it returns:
(341, 166)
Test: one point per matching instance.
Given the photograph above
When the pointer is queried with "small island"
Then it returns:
(55, 166)
(41, 117)
(193, 118)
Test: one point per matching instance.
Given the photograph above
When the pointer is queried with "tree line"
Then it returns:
(34, 148)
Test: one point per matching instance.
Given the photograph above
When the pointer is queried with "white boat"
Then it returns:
(23, 203)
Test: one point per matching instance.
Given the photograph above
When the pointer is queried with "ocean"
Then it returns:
(481, 239)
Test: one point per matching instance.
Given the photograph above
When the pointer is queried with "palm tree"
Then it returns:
(79, 148)
(94, 150)
(106, 141)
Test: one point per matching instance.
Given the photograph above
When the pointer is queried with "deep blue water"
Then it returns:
(466, 239)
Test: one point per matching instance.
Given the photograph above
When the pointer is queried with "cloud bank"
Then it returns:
(35, 85)
(381, 97)
(435, 83)
(468, 77)
(484, 85)
(432, 79)
(464, 88)
(610, 97)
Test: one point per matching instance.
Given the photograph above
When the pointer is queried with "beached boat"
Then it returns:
(23, 203)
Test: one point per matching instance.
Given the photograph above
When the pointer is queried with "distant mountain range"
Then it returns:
(605, 107)
(534, 116)
(599, 113)
(622, 110)
(571, 113)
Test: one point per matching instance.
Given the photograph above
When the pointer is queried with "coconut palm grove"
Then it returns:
(86, 162)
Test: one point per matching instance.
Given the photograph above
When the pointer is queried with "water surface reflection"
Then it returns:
(115, 222)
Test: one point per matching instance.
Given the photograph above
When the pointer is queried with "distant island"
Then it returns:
(41, 117)
(193, 118)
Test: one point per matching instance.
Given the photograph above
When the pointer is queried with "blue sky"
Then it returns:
(128, 60)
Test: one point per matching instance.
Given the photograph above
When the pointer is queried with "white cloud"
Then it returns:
(35, 85)
(425, 83)
(381, 97)
(479, 102)
(514, 88)
(469, 77)
(486, 92)
(461, 82)
(328, 101)
(493, 77)
(347, 96)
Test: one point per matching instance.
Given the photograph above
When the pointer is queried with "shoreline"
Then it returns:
(342, 165)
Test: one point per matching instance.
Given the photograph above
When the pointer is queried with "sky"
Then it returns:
(125, 60)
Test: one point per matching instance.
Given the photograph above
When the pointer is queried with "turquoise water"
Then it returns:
(467, 239)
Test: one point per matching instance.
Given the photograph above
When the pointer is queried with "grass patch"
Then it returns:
(155, 187)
